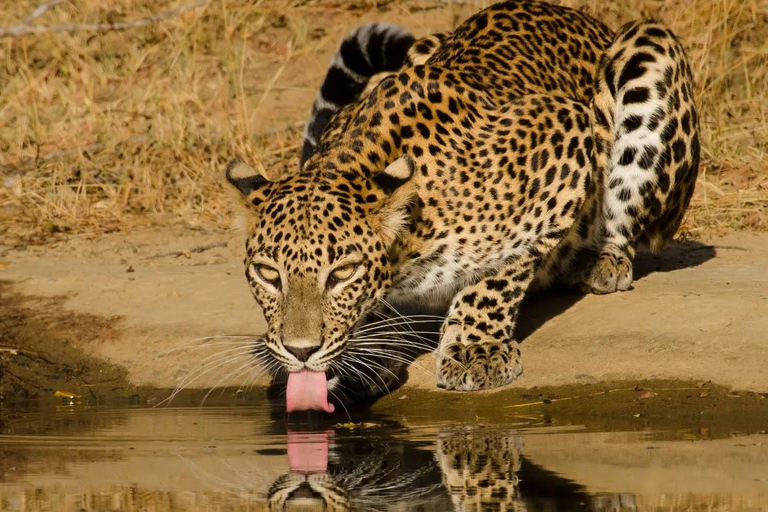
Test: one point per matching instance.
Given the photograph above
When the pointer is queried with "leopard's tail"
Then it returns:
(368, 50)
(646, 135)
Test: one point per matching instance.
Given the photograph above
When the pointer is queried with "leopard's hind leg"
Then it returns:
(647, 148)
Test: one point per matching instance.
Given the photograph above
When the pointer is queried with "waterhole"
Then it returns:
(74, 457)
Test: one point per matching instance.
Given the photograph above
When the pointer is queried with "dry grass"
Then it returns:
(103, 131)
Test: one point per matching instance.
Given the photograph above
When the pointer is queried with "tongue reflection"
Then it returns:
(307, 390)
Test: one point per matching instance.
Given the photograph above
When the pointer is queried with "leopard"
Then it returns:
(381, 473)
(531, 146)
(464, 469)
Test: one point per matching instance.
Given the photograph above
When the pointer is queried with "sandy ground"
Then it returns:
(697, 311)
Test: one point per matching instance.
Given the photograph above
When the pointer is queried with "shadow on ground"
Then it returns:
(542, 306)
(41, 349)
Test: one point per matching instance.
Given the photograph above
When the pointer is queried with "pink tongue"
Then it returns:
(307, 390)
(308, 452)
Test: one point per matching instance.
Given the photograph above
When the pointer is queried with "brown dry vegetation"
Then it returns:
(99, 131)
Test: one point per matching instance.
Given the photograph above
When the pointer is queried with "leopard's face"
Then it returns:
(296, 491)
(318, 264)
(315, 284)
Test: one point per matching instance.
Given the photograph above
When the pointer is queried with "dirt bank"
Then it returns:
(697, 312)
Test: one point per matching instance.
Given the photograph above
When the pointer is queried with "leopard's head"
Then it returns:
(319, 263)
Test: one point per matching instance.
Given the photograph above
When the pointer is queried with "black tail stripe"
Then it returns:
(366, 51)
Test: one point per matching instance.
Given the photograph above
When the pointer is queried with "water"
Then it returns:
(250, 458)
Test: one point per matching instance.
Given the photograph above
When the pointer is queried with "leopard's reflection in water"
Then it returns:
(465, 470)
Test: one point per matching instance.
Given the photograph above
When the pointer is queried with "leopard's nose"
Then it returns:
(302, 353)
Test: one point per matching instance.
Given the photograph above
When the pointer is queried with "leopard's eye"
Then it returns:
(342, 273)
(268, 274)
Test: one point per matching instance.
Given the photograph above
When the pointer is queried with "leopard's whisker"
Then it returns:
(348, 365)
(249, 365)
(415, 315)
(380, 352)
(393, 323)
(403, 336)
(410, 318)
(197, 372)
(272, 368)
(399, 341)
(406, 358)
(363, 375)
(407, 355)
(363, 378)
(367, 360)
(413, 352)
(395, 329)
(230, 375)
(218, 357)
(210, 341)
(397, 358)
(206, 341)
(349, 416)
(223, 360)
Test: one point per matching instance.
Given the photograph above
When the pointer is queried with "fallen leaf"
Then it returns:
(353, 426)
(348, 426)
(648, 394)
(403, 397)
(65, 394)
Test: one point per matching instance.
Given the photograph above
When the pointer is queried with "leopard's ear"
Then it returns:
(247, 180)
(394, 211)
(395, 174)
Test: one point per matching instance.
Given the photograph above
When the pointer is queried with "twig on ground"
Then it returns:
(24, 352)
(91, 148)
(98, 146)
(16, 247)
(176, 254)
(40, 10)
(597, 393)
(24, 28)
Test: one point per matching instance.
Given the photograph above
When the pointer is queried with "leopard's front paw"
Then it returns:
(611, 273)
(476, 365)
